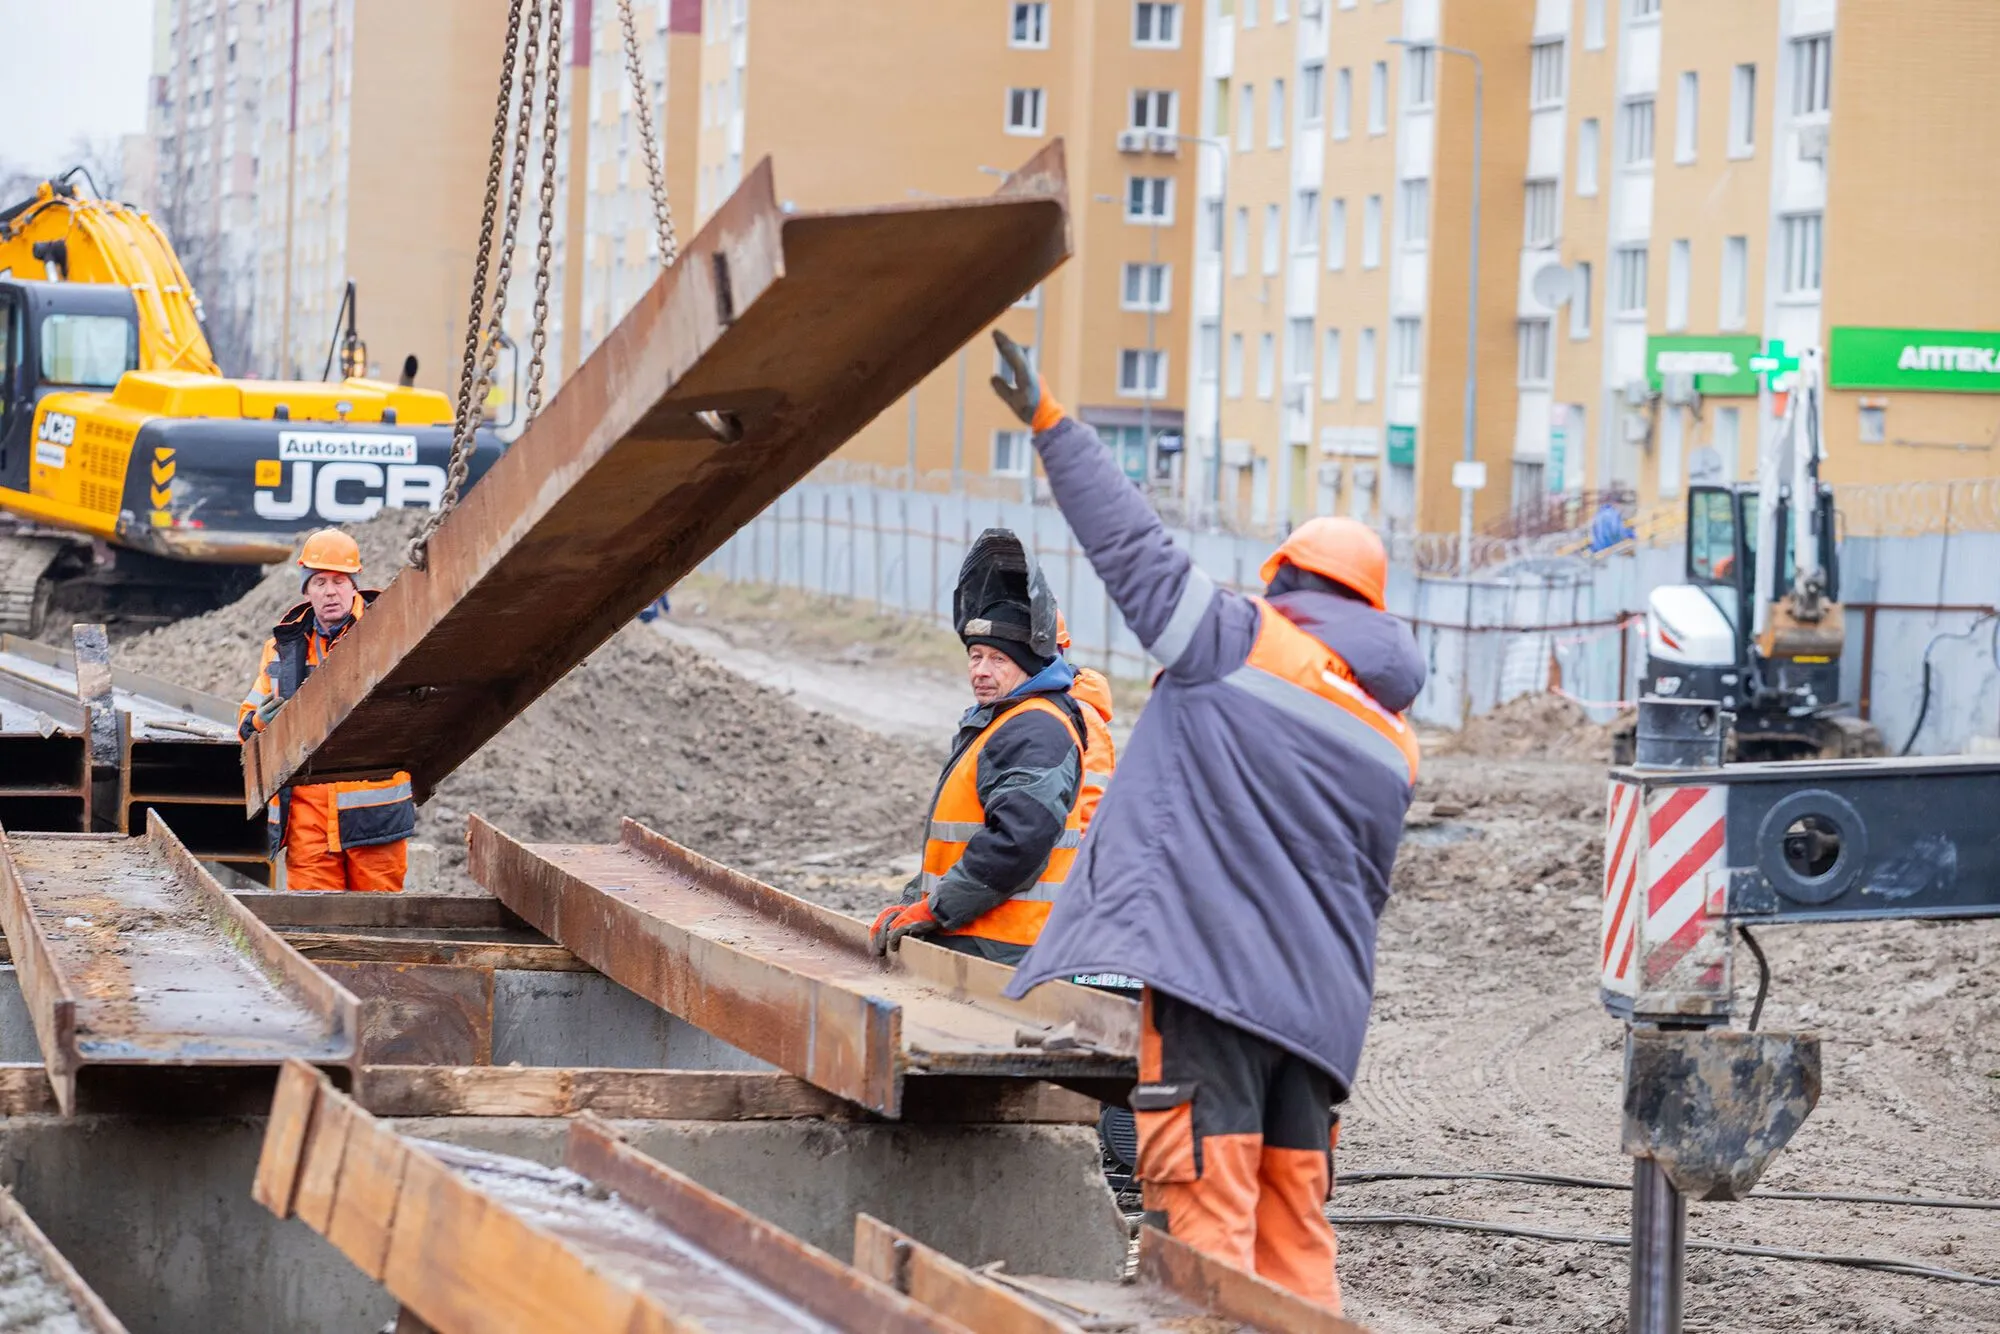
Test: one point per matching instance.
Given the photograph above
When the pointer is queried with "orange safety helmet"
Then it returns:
(330, 549)
(1062, 634)
(1344, 550)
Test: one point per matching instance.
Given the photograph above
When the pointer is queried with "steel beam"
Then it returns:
(60, 1286)
(144, 979)
(790, 330)
(477, 1243)
(794, 983)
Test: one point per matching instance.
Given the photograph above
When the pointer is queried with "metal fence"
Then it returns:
(1922, 645)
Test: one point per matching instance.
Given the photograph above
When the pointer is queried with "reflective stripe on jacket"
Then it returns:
(958, 815)
(1100, 755)
(370, 811)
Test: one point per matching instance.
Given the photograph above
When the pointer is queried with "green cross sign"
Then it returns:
(1772, 363)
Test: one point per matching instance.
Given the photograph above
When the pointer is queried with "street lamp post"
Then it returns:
(1472, 299)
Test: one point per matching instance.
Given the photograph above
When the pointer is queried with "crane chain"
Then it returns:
(545, 240)
(649, 143)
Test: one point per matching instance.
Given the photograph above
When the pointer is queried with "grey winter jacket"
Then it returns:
(1241, 859)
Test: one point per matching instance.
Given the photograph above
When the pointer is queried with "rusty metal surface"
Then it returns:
(792, 982)
(31, 1305)
(419, 1013)
(799, 328)
(1715, 1106)
(136, 967)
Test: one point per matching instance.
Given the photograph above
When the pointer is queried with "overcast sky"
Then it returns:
(69, 69)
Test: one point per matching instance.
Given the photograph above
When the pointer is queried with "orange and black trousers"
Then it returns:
(1236, 1140)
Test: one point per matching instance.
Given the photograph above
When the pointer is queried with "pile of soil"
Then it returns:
(643, 728)
(1546, 726)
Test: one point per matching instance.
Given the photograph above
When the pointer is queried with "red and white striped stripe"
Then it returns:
(1622, 839)
(1684, 842)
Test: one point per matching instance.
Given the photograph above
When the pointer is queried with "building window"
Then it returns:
(1011, 452)
(1024, 111)
(1635, 133)
(1211, 349)
(1218, 110)
(1579, 303)
(1234, 384)
(1239, 244)
(1378, 97)
(1149, 199)
(1312, 93)
(1276, 129)
(1589, 148)
(1246, 118)
(1364, 368)
(1329, 366)
(1343, 103)
(1148, 287)
(1679, 261)
(1030, 26)
(1645, 9)
(1280, 11)
(1267, 370)
(1800, 233)
(1812, 75)
(1406, 348)
(1735, 306)
(1336, 234)
(1545, 73)
(1687, 113)
(1156, 24)
(1414, 210)
(1540, 211)
(1142, 373)
(1305, 221)
(1628, 280)
(1371, 233)
(1249, 15)
(1271, 234)
(1532, 362)
(1743, 111)
(1299, 350)
(1154, 109)
(1211, 226)
(1419, 78)
(1593, 25)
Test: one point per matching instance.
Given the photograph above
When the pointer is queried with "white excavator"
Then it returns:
(1757, 626)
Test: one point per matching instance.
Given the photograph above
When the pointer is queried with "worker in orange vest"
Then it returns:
(1093, 691)
(1007, 818)
(335, 835)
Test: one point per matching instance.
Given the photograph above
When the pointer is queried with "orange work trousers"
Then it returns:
(311, 862)
(1236, 1140)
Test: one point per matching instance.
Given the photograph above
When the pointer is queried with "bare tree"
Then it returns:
(216, 266)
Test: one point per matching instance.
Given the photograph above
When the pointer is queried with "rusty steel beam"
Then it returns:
(794, 983)
(773, 339)
(145, 980)
(478, 1243)
(57, 1298)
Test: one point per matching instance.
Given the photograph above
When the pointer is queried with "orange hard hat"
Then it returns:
(1062, 632)
(330, 549)
(1344, 550)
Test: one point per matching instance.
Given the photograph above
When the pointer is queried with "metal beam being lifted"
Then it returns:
(774, 338)
(795, 984)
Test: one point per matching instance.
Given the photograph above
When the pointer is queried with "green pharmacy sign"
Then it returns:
(1720, 364)
(1937, 360)
(1403, 445)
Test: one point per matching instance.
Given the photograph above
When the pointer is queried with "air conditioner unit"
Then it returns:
(1364, 477)
(1678, 390)
(1638, 393)
(1812, 143)
(1236, 453)
(1638, 428)
(1309, 9)
(1159, 141)
(1295, 397)
(1329, 475)
(1131, 141)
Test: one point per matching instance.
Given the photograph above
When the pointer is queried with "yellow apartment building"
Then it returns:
(913, 99)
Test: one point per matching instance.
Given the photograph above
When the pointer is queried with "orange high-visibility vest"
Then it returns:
(1093, 696)
(1283, 653)
(959, 814)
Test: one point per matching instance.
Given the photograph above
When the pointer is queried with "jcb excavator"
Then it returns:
(131, 471)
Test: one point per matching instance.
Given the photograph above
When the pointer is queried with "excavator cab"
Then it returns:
(56, 337)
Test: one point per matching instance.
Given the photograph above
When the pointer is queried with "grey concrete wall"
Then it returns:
(17, 1032)
(586, 1019)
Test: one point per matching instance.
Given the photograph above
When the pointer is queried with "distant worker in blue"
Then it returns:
(1609, 528)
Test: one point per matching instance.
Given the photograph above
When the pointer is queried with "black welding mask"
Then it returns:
(1002, 596)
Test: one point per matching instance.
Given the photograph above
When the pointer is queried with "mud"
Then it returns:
(31, 1301)
(1540, 726)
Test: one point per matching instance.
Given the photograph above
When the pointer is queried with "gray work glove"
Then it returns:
(267, 711)
(1020, 388)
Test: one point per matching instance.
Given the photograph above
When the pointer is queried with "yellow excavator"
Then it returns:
(137, 481)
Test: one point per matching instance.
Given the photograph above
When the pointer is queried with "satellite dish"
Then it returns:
(1553, 285)
(1706, 465)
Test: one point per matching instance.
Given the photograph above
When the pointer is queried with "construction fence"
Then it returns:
(1923, 638)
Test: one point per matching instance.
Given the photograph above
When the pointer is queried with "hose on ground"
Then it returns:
(1763, 976)
(1871, 1262)
(1600, 1183)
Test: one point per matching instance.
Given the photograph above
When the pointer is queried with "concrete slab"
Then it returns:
(586, 1019)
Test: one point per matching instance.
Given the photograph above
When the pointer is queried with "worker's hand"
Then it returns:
(1021, 389)
(267, 711)
(892, 924)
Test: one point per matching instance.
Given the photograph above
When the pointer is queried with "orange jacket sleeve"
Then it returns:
(262, 689)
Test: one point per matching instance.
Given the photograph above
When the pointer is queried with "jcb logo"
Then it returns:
(57, 428)
(350, 492)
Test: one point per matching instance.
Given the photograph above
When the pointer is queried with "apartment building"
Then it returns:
(912, 99)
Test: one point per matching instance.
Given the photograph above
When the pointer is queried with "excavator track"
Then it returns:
(25, 588)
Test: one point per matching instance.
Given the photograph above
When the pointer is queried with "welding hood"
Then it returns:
(1001, 594)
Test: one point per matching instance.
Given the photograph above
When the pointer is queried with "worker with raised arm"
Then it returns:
(1006, 819)
(1239, 865)
(352, 835)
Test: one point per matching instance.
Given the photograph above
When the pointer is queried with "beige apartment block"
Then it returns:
(914, 99)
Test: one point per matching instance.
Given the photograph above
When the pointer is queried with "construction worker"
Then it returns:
(1093, 692)
(1240, 863)
(1007, 816)
(335, 835)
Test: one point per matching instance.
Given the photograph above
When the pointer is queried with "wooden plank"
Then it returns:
(365, 1198)
(25, 1090)
(419, 1013)
(333, 909)
(285, 1138)
(1232, 1293)
(512, 956)
(326, 1145)
(933, 1279)
(91, 1314)
(797, 327)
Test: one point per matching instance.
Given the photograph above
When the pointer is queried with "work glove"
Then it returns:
(267, 711)
(892, 924)
(1021, 389)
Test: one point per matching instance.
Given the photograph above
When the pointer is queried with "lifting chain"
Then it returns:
(545, 240)
(649, 143)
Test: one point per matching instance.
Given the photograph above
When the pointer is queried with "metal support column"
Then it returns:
(1659, 1251)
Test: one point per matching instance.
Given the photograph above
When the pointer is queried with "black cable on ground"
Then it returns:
(1875, 1263)
(1763, 976)
(1599, 1183)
